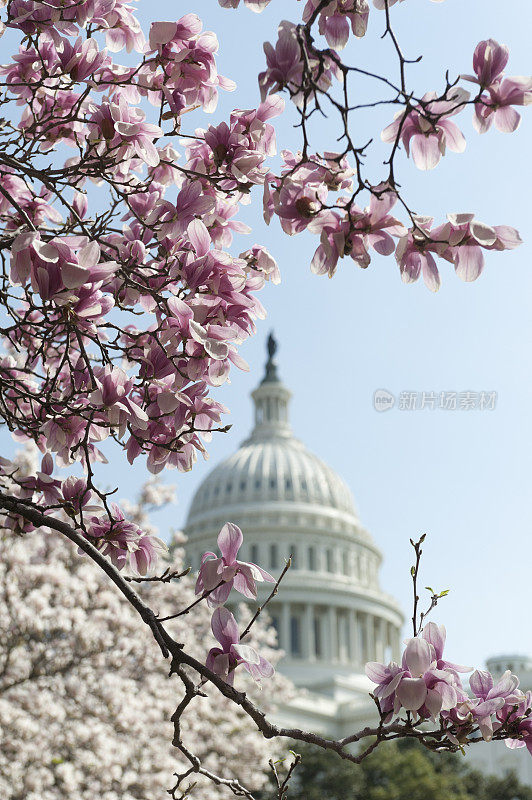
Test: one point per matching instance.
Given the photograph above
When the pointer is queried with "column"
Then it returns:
(370, 637)
(308, 644)
(285, 628)
(380, 643)
(353, 637)
(343, 636)
(333, 633)
(396, 644)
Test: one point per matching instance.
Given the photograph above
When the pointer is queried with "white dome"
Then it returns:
(274, 471)
(331, 614)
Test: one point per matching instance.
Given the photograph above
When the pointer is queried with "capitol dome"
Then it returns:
(330, 613)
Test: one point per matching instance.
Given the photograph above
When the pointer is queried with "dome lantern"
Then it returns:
(271, 399)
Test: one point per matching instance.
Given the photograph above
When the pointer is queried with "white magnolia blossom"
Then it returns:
(85, 698)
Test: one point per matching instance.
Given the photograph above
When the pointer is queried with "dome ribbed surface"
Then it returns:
(272, 471)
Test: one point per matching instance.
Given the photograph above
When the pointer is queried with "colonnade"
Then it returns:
(348, 560)
(333, 633)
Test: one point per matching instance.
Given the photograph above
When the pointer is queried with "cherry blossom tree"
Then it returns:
(123, 307)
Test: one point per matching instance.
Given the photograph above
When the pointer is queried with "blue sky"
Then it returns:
(462, 477)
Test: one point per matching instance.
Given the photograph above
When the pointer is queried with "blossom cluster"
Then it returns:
(336, 19)
(124, 320)
(300, 199)
(300, 194)
(429, 687)
(216, 577)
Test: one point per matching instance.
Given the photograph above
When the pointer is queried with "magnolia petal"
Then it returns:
(425, 151)
(336, 31)
(418, 656)
(431, 276)
(411, 267)
(224, 627)
(73, 275)
(454, 138)
(266, 669)
(260, 574)
(210, 573)
(246, 653)
(507, 119)
(469, 262)
(244, 583)
(230, 539)
(435, 635)
(219, 595)
(433, 702)
(484, 234)
(376, 671)
(392, 686)
(412, 693)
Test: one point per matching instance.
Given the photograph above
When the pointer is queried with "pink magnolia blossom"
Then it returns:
(285, 66)
(336, 241)
(496, 104)
(354, 233)
(491, 697)
(42, 483)
(123, 29)
(427, 131)
(517, 710)
(124, 542)
(223, 661)
(489, 60)
(113, 395)
(414, 257)
(120, 129)
(298, 200)
(81, 59)
(187, 57)
(23, 72)
(78, 498)
(375, 224)
(227, 570)
(260, 259)
(500, 93)
(462, 239)
(418, 685)
(253, 5)
(336, 17)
